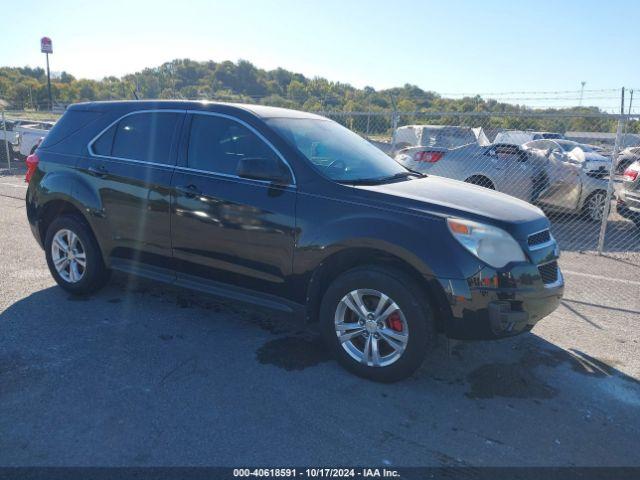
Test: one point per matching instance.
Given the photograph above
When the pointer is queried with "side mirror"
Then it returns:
(268, 169)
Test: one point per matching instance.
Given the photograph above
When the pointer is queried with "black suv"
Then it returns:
(294, 212)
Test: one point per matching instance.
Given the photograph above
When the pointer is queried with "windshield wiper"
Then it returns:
(390, 178)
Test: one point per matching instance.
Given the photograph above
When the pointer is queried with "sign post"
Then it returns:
(46, 47)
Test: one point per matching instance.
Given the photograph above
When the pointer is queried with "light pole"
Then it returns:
(46, 47)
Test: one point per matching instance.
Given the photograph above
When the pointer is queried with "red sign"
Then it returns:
(45, 45)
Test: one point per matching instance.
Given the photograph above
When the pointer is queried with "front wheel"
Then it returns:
(594, 206)
(376, 324)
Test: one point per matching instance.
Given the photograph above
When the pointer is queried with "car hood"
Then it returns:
(441, 196)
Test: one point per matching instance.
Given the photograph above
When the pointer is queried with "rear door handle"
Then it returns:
(189, 191)
(99, 171)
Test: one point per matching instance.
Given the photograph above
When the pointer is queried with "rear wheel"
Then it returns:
(73, 256)
(376, 324)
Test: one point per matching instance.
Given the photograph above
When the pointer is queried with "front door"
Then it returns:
(564, 182)
(225, 228)
(511, 171)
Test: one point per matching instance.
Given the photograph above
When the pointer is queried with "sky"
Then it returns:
(452, 47)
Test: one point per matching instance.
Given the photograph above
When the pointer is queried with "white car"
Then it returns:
(592, 162)
(519, 137)
(442, 136)
(30, 134)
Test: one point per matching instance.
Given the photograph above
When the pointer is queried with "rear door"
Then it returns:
(225, 228)
(131, 164)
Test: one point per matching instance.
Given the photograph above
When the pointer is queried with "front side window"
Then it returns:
(336, 151)
(144, 137)
(217, 144)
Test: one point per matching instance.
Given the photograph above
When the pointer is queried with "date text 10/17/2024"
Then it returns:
(316, 472)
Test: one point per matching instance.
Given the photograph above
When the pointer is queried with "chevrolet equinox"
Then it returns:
(293, 212)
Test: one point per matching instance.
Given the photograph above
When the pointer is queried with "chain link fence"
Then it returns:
(571, 166)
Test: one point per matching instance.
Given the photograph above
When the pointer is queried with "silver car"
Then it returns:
(629, 195)
(554, 182)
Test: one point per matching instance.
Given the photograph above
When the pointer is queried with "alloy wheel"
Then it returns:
(371, 327)
(596, 205)
(68, 255)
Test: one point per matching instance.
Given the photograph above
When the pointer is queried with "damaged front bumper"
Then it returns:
(500, 304)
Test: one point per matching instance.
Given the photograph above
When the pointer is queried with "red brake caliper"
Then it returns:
(394, 322)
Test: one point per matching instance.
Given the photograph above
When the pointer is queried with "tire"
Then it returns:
(594, 206)
(3, 153)
(414, 316)
(80, 280)
(481, 182)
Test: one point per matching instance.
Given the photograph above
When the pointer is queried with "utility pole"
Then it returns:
(583, 83)
(628, 119)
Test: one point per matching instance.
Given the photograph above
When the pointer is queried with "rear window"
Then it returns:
(144, 137)
(71, 122)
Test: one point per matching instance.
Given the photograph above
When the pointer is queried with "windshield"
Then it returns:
(336, 151)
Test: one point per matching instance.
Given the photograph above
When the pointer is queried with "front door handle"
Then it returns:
(99, 171)
(189, 191)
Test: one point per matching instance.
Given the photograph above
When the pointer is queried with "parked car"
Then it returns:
(628, 204)
(293, 212)
(8, 141)
(626, 157)
(555, 182)
(30, 134)
(445, 136)
(591, 161)
(519, 137)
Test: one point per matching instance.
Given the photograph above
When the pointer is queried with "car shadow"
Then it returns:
(140, 352)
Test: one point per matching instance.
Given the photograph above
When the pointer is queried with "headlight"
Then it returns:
(490, 244)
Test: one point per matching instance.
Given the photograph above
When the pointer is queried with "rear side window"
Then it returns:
(216, 144)
(71, 122)
(104, 144)
(144, 137)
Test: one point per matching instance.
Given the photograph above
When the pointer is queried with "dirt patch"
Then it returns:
(512, 380)
(293, 353)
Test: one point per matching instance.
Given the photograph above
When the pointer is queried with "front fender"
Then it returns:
(422, 242)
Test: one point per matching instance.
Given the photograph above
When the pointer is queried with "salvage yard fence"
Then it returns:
(579, 189)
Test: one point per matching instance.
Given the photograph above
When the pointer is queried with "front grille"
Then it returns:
(538, 238)
(549, 272)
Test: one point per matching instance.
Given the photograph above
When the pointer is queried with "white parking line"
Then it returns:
(600, 277)
(13, 185)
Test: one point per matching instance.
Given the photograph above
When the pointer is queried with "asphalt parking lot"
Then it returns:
(143, 374)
